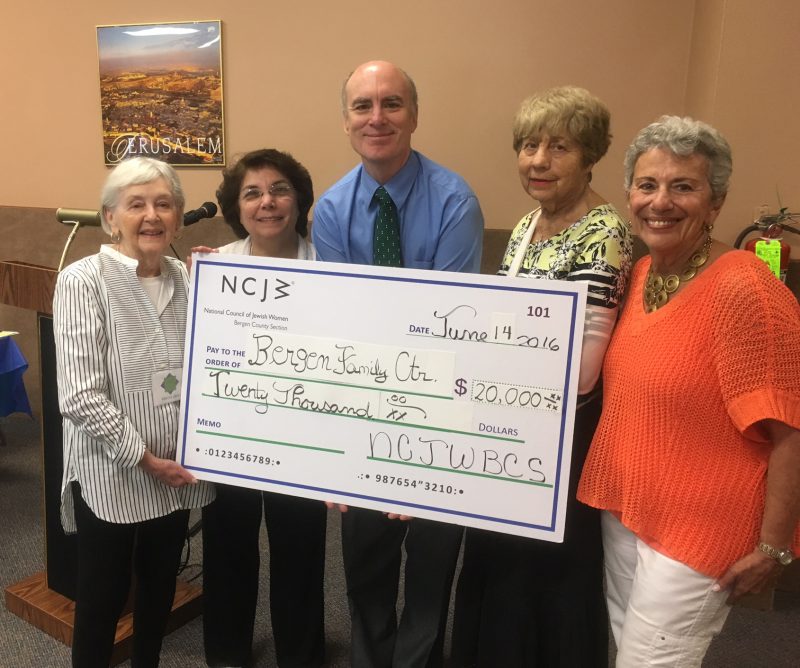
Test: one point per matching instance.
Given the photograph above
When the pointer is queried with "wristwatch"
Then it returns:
(784, 557)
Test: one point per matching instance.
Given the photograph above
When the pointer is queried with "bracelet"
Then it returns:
(783, 556)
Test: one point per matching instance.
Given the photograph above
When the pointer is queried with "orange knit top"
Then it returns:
(679, 455)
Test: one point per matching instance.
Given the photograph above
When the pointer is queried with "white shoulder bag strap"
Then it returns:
(519, 256)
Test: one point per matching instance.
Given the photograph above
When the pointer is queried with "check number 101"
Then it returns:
(538, 311)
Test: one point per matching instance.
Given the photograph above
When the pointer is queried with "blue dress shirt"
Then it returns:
(441, 224)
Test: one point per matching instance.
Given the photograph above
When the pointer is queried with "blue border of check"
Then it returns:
(514, 286)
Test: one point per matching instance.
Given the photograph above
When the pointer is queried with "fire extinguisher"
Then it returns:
(770, 246)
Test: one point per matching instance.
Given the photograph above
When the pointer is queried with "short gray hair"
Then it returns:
(685, 136)
(134, 172)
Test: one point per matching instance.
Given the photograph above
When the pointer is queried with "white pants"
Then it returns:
(662, 612)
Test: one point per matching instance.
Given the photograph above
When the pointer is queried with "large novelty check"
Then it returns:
(439, 395)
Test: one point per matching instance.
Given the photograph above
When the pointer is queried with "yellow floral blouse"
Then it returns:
(596, 248)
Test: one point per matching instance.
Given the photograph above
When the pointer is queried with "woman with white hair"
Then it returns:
(119, 319)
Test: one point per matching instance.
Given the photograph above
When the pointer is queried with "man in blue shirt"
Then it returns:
(441, 227)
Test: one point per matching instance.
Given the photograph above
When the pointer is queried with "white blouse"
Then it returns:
(109, 341)
(305, 249)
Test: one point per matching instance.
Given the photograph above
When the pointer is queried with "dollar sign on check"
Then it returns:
(461, 387)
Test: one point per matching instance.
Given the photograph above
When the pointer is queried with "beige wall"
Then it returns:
(730, 62)
(283, 65)
(744, 80)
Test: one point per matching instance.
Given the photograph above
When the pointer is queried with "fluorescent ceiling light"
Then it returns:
(151, 32)
(213, 41)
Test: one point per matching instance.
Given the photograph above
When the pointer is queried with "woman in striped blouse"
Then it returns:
(120, 318)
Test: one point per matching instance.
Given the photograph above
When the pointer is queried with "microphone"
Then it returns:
(79, 216)
(207, 210)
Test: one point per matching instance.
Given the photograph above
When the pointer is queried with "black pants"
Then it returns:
(231, 560)
(372, 546)
(524, 603)
(107, 553)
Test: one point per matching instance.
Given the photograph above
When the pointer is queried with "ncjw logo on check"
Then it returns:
(269, 288)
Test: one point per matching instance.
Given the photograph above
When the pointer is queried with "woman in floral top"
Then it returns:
(524, 602)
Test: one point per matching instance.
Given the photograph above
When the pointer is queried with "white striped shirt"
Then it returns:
(109, 341)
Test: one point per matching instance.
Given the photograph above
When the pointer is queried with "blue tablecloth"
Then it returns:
(13, 398)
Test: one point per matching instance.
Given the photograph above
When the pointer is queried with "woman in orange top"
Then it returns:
(697, 455)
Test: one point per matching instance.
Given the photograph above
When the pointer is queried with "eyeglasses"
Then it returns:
(278, 190)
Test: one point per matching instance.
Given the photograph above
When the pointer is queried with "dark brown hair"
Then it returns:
(232, 177)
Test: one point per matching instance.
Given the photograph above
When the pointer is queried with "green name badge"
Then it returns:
(769, 250)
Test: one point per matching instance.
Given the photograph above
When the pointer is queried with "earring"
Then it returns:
(116, 237)
(707, 228)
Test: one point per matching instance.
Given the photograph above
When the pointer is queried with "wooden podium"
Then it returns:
(46, 599)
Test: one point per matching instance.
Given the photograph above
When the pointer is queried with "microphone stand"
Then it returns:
(75, 227)
(76, 218)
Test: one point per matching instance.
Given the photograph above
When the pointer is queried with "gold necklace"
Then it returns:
(658, 288)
